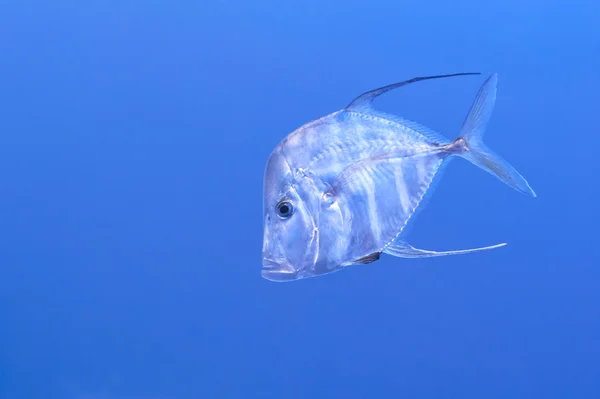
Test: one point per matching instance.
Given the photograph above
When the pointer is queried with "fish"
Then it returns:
(342, 189)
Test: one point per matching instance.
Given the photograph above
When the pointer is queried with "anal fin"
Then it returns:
(404, 250)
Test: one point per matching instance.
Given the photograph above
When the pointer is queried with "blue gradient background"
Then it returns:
(134, 140)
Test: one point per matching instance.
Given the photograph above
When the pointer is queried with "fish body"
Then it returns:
(340, 190)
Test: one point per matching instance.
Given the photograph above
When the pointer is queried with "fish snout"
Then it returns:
(278, 270)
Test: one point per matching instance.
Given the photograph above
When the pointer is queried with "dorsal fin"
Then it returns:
(365, 99)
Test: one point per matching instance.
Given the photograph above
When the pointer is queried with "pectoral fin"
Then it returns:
(404, 250)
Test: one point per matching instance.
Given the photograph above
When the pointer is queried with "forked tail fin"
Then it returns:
(470, 146)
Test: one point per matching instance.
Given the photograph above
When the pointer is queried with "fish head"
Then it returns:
(290, 234)
(293, 207)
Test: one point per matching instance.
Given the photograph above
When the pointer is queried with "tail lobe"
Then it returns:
(469, 144)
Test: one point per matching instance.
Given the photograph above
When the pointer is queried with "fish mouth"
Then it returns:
(278, 271)
(268, 264)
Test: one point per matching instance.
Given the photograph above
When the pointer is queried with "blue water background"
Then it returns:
(134, 140)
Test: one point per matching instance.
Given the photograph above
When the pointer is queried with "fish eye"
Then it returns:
(285, 209)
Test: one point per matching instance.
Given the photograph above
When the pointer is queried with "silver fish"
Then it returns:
(340, 190)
